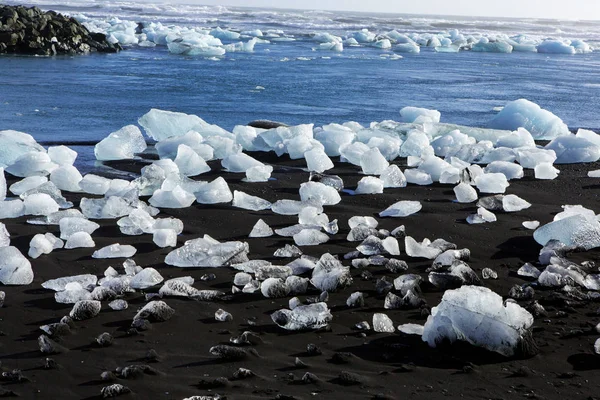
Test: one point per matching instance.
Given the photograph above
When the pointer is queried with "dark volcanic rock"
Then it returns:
(29, 30)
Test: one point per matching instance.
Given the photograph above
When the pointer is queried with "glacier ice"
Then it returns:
(419, 115)
(95, 184)
(403, 208)
(258, 173)
(417, 177)
(369, 185)
(576, 230)
(15, 269)
(115, 250)
(311, 316)
(121, 145)
(509, 169)
(67, 178)
(383, 323)
(393, 177)
(176, 198)
(261, 229)
(27, 184)
(146, 278)
(34, 163)
(465, 193)
(40, 204)
(330, 275)
(571, 149)
(14, 144)
(39, 245)
(545, 171)
(317, 160)
(513, 203)
(71, 225)
(492, 183)
(319, 193)
(310, 237)
(239, 162)
(79, 239)
(62, 155)
(164, 237)
(160, 124)
(249, 202)
(373, 162)
(214, 192)
(203, 252)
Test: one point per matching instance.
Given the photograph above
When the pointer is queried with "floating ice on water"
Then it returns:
(369, 185)
(573, 149)
(146, 278)
(78, 240)
(66, 178)
(465, 193)
(311, 316)
(248, 202)
(204, 252)
(479, 316)
(403, 208)
(509, 169)
(373, 162)
(240, 162)
(317, 160)
(330, 275)
(319, 193)
(577, 230)
(393, 177)
(214, 192)
(32, 164)
(259, 173)
(164, 237)
(419, 115)
(176, 198)
(115, 250)
(62, 155)
(160, 125)
(15, 269)
(417, 177)
(491, 183)
(71, 225)
(522, 113)
(513, 203)
(485, 46)
(26, 184)
(545, 171)
(40, 204)
(310, 237)
(121, 145)
(383, 323)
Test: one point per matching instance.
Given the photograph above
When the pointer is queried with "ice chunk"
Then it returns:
(214, 192)
(417, 177)
(248, 202)
(121, 145)
(203, 252)
(481, 217)
(513, 203)
(26, 184)
(167, 148)
(310, 237)
(531, 224)
(160, 125)
(529, 270)
(479, 316)
(15, 269)
(176, 198)
(79, 239)
(317, 160)
(85, 309)
(14, 144)
(383, 323)
(545, 171)
(66, 178)
(465, 193)
(542, 124)
(312, 316)
(393, 177)
(355, 221)
(403, 208)
(32, 164)
(189, 162)
(164, 237)
(40, 245)
(577, 230)
(94, 184)
(115, 250)
(509, 169)
(71, 225)
(369, 185)
(60, 284)
(529, 158)
(594, 174)
(51, 190)
(11, 209)
(319, 193)
(573, 149)
(419, 115)
(240, 162)
(519, 138)
(330, 275)
(373, 162)
(491, 183)
(553, 46)
(146, 278)
(259, 173)
(40, 204)
(261, 229)
(422, 250)
(411, 329)
(62, 155)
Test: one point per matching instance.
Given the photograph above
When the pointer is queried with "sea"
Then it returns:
(78, 100)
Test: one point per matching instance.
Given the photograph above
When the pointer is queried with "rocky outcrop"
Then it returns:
(29, 30)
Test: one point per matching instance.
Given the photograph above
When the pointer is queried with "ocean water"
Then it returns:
(79, 100)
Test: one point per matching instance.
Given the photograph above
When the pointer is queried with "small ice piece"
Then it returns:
(155, 311)
(78, 240)
(301, 266)
(60, 284)
(530, 157)
(509, 169)
(176, 198)
(403, 208)
(121, 145)
(311, 316)
(421, 250)
(30, 164)
(239, 162)
(40, 204)
(168, 223)
(261, 229)
(310, 237)
(329, 180)
(165, 238)
(513, 203)
(146, 278)
(491, 183)
(4, 236)
(373, 162)
(62, 155)
(189, 162)
(12, 209)
(259, 173)
(529, 270)
(214, 192)
(417, 177)
(71, 225)
(317, 160)
(66, 178)
(531, 224)
(383, 323)
(481, 217)
(488, 273)
(223, 316)
(418, 115)
(545, 171)
(26, 184)
(293, 207)
(95, 184)
(15, 269)
(411, 329)
(118, 305)
(372, 245)
(274, 288)
(319, 193)
(465, 193)
(330, 275)
(390, 245)
(249, 202)
(356, 299)
(393, 177)
(311, 216)
(73, 293)
(368, 221)
(85, 309)
(115, 250)
(40, 245)
(591, 174)
(369, 185)
(288, 251)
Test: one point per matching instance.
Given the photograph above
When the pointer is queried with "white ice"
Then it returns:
(121, 145)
